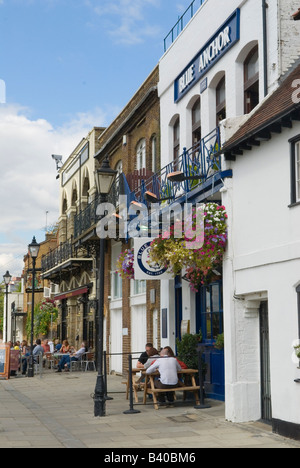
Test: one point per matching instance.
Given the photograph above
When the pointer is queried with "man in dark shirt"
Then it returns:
(144, 356)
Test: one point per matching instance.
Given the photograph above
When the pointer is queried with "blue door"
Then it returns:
(209, 307)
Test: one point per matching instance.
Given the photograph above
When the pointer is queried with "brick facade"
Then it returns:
(140, 120)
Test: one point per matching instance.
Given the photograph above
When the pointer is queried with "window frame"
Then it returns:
(116, 286)
(220, 105)
(298, 302)
(196, 124)
(250, 82)
(176, 142)
(141, 154)
(295, 192)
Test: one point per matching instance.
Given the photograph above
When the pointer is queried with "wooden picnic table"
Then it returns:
(136, 384)
(184, 385)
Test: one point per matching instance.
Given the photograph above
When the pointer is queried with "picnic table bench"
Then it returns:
(183, 386)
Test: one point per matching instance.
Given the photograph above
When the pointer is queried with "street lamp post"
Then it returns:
(7, 279)
(33, 248)
(105, 177)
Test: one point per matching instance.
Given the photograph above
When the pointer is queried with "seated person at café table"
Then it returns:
(65, 348)
(144, 356)
(38, 350)
(168, 368)
(66, 360)
(152, 354)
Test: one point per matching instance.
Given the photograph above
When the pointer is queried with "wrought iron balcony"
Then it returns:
(88, 218)
(197, 165)
(202, 161)
(62, 258)
(58, 256)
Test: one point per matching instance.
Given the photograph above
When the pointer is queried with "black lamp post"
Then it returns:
(7, 280)
(105, 177)
(33, 248)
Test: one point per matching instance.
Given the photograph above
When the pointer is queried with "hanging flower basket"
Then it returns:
(125, 264)
(199, 264)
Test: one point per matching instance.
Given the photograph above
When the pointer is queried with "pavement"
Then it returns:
(57, 411)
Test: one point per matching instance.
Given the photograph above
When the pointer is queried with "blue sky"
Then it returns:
(68, 65)
(61, 57)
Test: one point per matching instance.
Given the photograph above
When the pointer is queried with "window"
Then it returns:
(141, 155)
(295, 169)
(196, 122)
(139, 287)
(176, 141)
(221, 100)
(116, 285)
(251, 80)
(154, 154)
(298, 294)
(211, 311)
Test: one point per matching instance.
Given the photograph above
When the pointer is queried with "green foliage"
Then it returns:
(42, 318)
(187, 349)
(220, 342)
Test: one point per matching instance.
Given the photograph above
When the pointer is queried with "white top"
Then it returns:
(150, 360)
(80, 353)
(168, 368)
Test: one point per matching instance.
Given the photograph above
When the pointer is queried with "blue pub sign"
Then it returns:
(217, 46)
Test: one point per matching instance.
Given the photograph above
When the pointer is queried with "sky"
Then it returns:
(65, 67)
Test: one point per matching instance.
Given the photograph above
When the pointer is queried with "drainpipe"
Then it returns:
(265, 46)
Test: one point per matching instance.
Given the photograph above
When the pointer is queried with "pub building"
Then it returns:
(220, 67)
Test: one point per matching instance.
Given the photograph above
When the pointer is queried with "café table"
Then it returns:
(185, 385)
(136, 384)
(58, 356)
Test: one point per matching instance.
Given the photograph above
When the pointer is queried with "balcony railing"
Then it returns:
(59, 255)
(182, 22)
(87, 218)
(202, 161)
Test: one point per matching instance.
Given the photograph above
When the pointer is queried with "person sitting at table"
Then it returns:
(168, 367)
(46, 346)
(38, 350)
(65, 347)
(152, 354)
(57, 345)
(172, 354)
(144, 356)
(65, 361)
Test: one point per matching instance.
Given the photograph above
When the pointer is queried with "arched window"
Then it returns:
(154, 154)
(119, 167)
(74, 197)
(86, 186)
(196, 122)
(221, 100)
(251, 80)
(64, 206)
(176, 139)
(141, 155)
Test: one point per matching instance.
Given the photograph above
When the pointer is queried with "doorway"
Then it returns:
(266, 400)
(209, 319)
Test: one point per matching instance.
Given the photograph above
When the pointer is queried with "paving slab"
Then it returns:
(57, 411)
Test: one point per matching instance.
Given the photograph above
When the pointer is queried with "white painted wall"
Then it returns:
(256, 201)
(262, 262)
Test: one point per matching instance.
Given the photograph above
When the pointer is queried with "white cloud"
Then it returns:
(126, 20)
(28, 185)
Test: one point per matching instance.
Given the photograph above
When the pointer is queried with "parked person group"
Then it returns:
(168, 367)
(74, 356)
